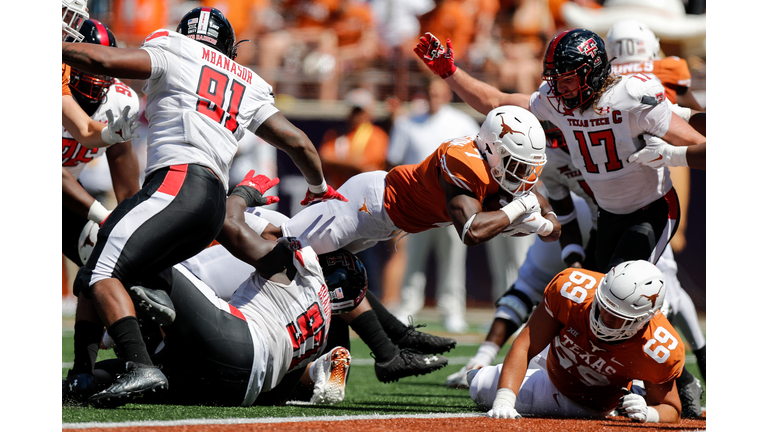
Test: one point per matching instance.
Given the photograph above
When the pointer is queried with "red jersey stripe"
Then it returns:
(173, 180)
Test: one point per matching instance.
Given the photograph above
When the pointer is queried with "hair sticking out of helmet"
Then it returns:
(632, 41)
(90, 89)
(73, 13)
(346, 278)
(628, 297)
(210, 27)
(578, 53)
(513, 143)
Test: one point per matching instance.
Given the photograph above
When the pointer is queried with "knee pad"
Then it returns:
(514, 305)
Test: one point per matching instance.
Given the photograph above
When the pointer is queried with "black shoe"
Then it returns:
(690, 396)
(424, 342)
(138, 380)
(77, 388)
(154, 303)
(408, 362)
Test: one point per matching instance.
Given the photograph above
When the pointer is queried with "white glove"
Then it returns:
(527, 203)
(634, 407)
(121, 129)
(504, 405)
(530, 223)
(658, 153)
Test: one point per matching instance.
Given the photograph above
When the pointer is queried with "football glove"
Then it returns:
(527, 203)
(437, 58)
(504, 405)
(658, 153)
(530, 223)
(252, 189)
(329, 194)
(635, 407)
(121, 129)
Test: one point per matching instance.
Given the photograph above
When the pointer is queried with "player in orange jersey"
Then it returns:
(582, 348)
(447, 188)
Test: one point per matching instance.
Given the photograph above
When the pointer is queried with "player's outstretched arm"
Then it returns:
(477, 94)
(281, 133)
(124, 169)
(83, 129)
(132, 63)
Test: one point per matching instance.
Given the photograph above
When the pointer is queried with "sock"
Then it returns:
(684, 379)
(701, 360)
(369, 329)
(485, 354)
(87, 340)
(338, 335)
(128, 340)
(394, 328)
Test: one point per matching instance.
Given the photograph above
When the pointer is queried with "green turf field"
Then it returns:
(365, 395)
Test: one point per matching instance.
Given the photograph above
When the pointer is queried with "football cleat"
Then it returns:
(138, 379)
(690, 398)
(155, 303)
(77, 388)
(330, 376)
(408, 362)
(424, 342)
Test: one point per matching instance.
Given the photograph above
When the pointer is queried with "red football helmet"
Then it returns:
(90, 88)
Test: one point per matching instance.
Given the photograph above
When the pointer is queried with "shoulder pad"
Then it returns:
(156, 35)
(645, 89)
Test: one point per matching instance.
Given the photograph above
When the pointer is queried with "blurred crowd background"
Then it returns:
(345, 73)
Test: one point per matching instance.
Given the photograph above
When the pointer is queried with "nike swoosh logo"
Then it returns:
(658, 158)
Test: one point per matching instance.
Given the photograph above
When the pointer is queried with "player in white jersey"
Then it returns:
(274, 326)
(199, 102)
(601, 118)
(95, 94)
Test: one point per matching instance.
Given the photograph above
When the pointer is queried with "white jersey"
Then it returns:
(290, 322)
(75, 156)
(600, 144)
(198, 104)
(218, 268)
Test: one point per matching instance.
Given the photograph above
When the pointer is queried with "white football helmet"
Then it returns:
(632, 292)
(513, 143)
(631, 41)
(73, 13)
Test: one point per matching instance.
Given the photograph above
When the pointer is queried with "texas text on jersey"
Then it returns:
(413, 197)
(592, 372)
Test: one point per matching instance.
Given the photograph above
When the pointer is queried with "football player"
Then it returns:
(95, 94)
(597, 332)
(448, 188)
(87, 131)
(273, 328)
(199, 103)
(581, 98)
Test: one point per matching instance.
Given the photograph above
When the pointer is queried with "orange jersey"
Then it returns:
(65, 90)
(591, 372)
(413, 197)
(672, 71)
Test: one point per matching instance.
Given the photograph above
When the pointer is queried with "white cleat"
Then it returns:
(458, 380)
(330, 376)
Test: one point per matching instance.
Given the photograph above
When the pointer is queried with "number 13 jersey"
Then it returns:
(199, 103)
(592, 372)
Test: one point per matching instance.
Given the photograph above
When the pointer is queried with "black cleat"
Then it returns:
(77, 388)
(408, 362)
(690, 398)
(138, 379)
(424, 342)
(154, 303)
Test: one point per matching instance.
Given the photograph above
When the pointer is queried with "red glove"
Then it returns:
(330, 194)
(252, 188)
(437, 58)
